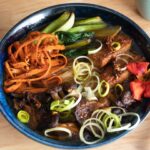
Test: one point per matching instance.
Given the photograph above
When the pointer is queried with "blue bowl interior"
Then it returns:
(40, 19)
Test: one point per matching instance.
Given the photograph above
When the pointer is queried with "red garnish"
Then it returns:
(138, 68)
(147, 89)
(137, 88)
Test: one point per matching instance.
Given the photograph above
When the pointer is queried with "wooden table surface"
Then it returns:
(11, 11)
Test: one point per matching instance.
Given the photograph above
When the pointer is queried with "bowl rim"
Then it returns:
(37, 137)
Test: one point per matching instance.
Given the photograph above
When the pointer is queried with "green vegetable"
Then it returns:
(73, 53)
(108, 32)
(116, 120)
(92, 20)
(102, 122)
(65, 115)
(118, 90)
(57, 23)
(116, 46)
(68, 24)
(78, 44)
(54, 104)
(104, 88)
(62, 105)
(69, 38)
(85, 28)
(91, 48)
(23, 116)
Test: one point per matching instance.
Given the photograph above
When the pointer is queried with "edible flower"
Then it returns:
(137, 88)
(140, 88)
(138, 68)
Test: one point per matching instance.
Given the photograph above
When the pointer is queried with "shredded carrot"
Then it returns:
(13, 87)
(33, 63)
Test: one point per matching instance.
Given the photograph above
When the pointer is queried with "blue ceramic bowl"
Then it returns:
(39, 19)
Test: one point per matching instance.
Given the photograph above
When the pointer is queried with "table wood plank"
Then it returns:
(13, 11)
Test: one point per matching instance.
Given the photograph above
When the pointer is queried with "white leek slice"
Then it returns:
(80, 88)
(123, 60)
(82, 70)
(134, 115)
(83, 57)
(47, 131)
(117, 107)
(110, 129)
(97, 49)
(94, 120)
(81, 133)
(127, 55)
(89, 94)
(97, 81)
(74, 93)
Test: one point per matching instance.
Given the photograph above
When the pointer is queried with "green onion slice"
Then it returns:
(67, 103)
(54, 104)
(66, 114)
(118, 90)
(116, 46)
(75, 93)
(62, 105)
(116, 120)
(103, 120)
(105, 116)
(127, 126)
(23, 116)
(110, 129)
(103, 88)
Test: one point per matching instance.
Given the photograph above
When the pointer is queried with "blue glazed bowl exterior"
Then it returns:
(41, 18)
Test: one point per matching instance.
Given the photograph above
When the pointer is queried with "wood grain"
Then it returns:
(13, 11)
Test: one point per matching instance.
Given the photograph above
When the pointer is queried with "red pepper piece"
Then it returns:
(137, 89)
(138, 68)
(147, 90)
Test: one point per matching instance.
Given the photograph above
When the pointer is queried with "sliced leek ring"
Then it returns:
(47, 131)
